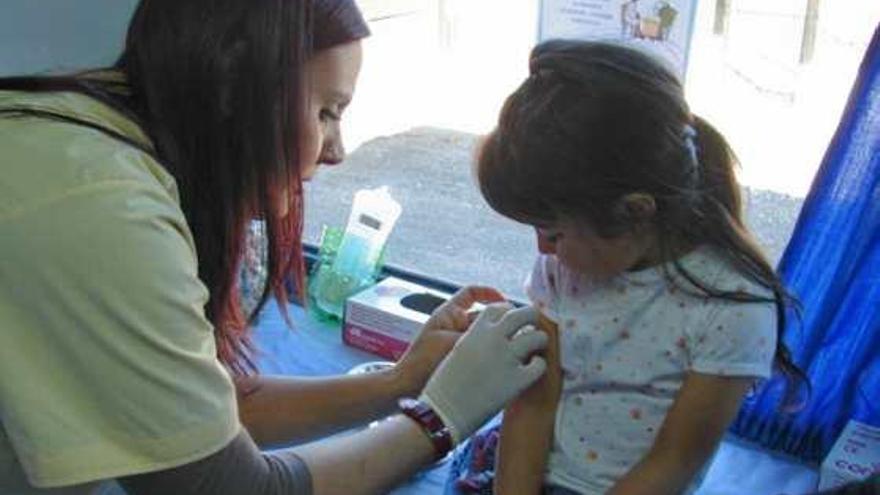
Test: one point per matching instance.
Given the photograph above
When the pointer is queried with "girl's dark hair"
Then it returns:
(219, 87)
(595, 122)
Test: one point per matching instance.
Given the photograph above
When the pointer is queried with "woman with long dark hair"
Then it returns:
(125, 193)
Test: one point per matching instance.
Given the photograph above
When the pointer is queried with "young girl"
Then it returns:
(667, 312)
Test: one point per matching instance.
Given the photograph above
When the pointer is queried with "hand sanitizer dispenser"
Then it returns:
(372, 217)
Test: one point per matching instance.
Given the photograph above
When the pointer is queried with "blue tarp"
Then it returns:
(832, 264)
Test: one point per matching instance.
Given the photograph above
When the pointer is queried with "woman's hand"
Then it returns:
(544, 395)
(490, 365)
(439, 335)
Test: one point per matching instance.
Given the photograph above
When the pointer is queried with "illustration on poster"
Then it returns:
(663, 28)
(640, 20)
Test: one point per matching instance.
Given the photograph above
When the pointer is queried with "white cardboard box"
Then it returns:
(855, 456)
(385, 318)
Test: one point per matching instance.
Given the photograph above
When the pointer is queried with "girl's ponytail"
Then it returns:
(716, 163)
(720, 205)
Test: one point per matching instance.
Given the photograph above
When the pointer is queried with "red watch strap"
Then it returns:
(430, 422)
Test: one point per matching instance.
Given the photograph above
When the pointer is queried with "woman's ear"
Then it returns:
(635, 209)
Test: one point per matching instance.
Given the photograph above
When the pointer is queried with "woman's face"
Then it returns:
(332, 76)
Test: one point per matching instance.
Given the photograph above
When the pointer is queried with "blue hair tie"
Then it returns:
(690, 135)
(690, 143)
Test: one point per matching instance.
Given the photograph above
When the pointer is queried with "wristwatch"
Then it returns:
(430, 422)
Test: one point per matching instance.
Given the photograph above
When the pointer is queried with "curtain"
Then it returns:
(832, 264)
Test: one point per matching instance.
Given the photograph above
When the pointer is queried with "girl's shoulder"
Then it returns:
(725, 335)
(713, 269)
(549, 282)
(541, 285)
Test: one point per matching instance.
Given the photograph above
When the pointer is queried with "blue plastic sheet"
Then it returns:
(832, 264)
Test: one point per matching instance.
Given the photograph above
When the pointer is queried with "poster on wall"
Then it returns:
(661, 27)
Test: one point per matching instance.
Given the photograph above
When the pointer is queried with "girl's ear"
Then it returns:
(635, 209)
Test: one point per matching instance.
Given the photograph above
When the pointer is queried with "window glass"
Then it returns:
(437, 71)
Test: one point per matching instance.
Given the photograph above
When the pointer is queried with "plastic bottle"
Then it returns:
(373, 215)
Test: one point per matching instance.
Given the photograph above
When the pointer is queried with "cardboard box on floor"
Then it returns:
(385, 318)
(854, 457)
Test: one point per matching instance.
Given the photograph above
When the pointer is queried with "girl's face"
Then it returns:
(580, 249)
(332, 78)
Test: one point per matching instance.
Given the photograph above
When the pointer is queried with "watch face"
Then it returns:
(412, 405)
(432, 424)
(371, 367)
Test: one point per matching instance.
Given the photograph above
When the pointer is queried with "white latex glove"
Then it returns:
(489, 366)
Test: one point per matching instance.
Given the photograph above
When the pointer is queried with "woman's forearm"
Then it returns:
(287, 410)
(371, 461)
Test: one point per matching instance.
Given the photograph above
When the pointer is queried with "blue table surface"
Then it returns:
(315, 348)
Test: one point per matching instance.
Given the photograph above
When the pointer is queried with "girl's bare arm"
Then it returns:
(527, 429)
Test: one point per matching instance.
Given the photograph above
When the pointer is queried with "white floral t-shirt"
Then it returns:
(626, 346)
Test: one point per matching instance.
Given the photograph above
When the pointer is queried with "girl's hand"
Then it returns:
(439, 335)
